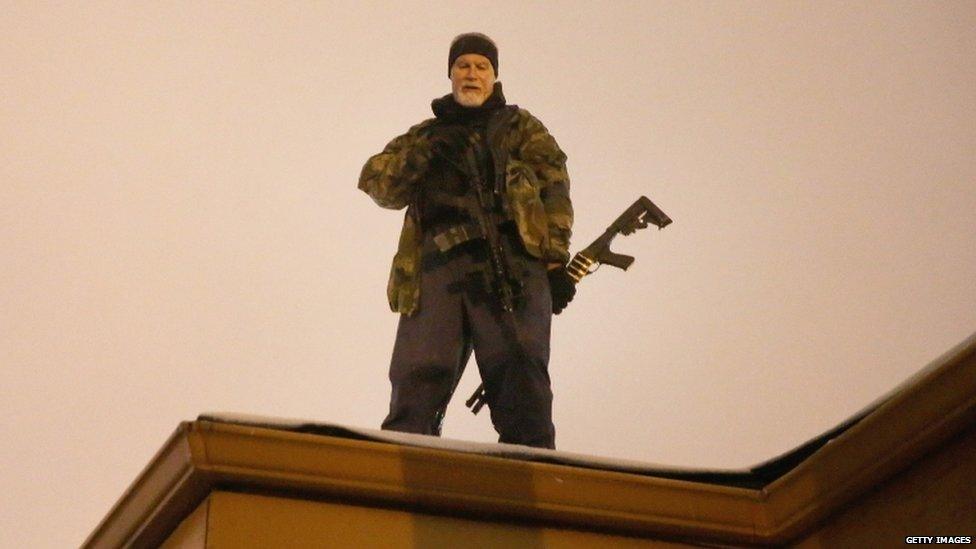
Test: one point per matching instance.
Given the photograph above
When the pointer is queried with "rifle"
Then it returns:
(637, 216)
(498, 280)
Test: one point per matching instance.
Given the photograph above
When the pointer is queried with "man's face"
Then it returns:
(472, 79)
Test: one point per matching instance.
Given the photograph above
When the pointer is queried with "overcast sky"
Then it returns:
(182, 232)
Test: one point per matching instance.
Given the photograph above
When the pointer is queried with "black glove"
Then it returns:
(449, 142)
(562, 287)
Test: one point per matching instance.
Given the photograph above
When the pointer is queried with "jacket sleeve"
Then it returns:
(539, 150)
(390, 177)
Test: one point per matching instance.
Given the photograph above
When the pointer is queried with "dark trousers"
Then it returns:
(457, 315)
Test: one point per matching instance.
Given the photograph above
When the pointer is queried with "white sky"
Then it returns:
(181, 229)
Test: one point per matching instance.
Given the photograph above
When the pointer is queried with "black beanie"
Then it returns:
(473, 42)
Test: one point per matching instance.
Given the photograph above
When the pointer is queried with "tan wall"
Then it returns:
(192, 532)
(233, 520)
(934, 497)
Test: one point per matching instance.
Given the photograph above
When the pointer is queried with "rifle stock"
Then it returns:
(639, 215)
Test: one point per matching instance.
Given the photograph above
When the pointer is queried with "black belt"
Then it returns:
(458, 234)
(447, 239)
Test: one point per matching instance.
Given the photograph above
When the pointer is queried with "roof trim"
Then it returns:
(839, 466)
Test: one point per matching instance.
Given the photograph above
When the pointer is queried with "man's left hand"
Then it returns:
(561, 286)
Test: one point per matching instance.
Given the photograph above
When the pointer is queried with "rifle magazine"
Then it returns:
(579, 267)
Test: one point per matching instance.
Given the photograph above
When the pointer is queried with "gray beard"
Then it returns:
(470, 99)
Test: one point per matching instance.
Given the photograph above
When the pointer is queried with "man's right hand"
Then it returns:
(449, 142)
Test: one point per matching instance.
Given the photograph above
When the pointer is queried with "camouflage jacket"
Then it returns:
(528, 164)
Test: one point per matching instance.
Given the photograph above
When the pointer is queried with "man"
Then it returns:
(478, 167)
